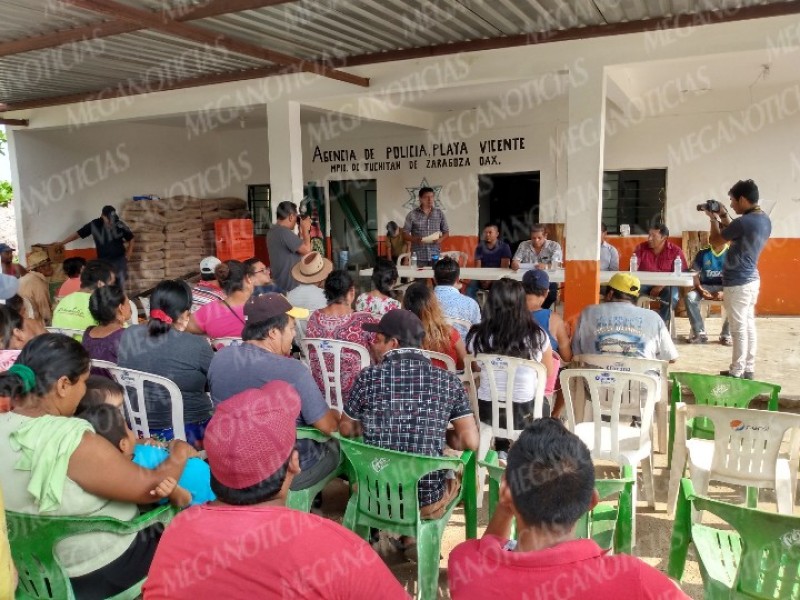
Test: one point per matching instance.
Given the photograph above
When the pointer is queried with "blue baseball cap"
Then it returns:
(5, 248)
(536, 278)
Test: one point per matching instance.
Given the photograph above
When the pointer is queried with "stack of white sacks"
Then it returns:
(173, 235)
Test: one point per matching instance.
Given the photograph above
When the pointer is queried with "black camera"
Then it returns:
(709, 205)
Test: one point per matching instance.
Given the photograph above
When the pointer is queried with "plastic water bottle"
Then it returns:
(634, 263)
(413, 259)
(677, 266)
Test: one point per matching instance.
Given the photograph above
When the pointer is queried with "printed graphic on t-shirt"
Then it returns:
(620, 335)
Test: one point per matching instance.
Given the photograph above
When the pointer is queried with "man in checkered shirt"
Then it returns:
(426, 228)
(405, 403)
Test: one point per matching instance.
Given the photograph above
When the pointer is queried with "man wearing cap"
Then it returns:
(7, 259)
(618, 326)
(207, 290)
(247, 544)
(263, 357)
(405, 403)
(310, 274)
(35, 288)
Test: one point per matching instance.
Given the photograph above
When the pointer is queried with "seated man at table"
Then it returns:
(248, 544)
(455, 305)
(618, 326)
(542, 254)
(491, 253)
(658, 254)
(548, 485)
(707, 286)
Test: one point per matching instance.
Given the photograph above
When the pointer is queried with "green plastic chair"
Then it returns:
(608, 525)
(303, 499)
(759, 558)
(386, 498)
(34, 537)
(715, 390)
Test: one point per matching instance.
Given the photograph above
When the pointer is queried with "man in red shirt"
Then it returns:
(247, 544)
(548, 485)
(659, 254)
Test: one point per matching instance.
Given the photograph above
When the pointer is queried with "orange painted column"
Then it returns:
(581, 287)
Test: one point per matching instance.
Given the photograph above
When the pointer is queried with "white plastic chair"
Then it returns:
(459, 324)
(133, 382)
(73, 333)
(405, 256)
(615, 440)
(631, 400)
(646, 302)
(460, 257)
(331, 380)
(746, 450)
(494, 367)
(448, 361)
(145, 300)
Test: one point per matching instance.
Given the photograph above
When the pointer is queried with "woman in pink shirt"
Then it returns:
(72, 269)
(225, 318)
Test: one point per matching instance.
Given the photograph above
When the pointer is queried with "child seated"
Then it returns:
(102, 407)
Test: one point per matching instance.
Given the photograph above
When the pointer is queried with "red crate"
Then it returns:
(233, 229)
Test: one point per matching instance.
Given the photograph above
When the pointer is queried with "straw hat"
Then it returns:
(312, 268)
(37, 258)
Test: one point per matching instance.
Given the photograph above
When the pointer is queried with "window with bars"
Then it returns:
(635, 198)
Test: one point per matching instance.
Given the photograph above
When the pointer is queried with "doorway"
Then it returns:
(511, 201)
(354, 219)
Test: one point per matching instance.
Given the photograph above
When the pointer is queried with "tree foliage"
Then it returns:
(6, 191)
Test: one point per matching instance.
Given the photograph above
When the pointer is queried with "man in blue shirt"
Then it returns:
(455, 305)
(708, 265)
(740, 279)
(491, 253)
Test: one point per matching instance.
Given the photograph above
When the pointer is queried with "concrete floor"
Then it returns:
(778, 362)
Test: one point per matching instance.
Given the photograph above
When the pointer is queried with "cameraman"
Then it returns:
(740, 280)
(284, 246)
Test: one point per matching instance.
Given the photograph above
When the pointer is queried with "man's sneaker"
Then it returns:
(745, 375)
(726, 340)
(748, 375)
(697, 338)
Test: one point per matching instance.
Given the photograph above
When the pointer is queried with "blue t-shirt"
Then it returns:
(196, 476)
(748, 235)
(709, 265)
(491, 258)
(542, 317)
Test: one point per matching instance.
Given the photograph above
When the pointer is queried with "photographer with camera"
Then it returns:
(285, 247)
(740, 279)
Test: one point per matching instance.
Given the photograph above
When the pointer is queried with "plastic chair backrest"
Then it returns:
(332, 378)
(222, 342)
(769, 564)
(33, 540)
(494, 366)
(717, 390)
(632, 397)
(448, 361)
(610, 385)
(134, 320)
(73, 333)
(387, 481)
(404, 259)
(133, 383)
(747, 442)
(459, 323)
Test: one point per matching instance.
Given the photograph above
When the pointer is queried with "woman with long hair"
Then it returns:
(440, 336)
(225, 318)
(54, 464)
(110, 308)
(507, 328)
(338, 321)
(160, 347)
(379, 301)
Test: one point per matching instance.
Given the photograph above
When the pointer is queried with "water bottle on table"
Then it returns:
(677, 266)
(413, 259)
(634, 263)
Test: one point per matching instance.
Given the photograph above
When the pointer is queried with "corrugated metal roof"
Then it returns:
(306, 29)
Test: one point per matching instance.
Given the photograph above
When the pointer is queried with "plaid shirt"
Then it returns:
(405, 403)
(422, 225)
(526, 253)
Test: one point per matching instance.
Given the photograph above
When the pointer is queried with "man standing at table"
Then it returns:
(426, 228)
(658, 254)
(740, 279)
(541, 253)
(491, 253)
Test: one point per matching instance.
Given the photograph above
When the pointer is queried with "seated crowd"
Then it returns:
(66, 448)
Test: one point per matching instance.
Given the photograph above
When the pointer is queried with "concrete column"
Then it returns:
(583, 144)
(285, 152)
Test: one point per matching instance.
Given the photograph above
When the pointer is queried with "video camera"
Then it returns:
(709, 205)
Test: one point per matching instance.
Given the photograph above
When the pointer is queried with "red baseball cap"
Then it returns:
(252, 434)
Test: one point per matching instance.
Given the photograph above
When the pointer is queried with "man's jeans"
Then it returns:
(692, 300)
(740, 304)
(663, 310)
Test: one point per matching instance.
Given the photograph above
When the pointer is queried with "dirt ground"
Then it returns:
(778, 362)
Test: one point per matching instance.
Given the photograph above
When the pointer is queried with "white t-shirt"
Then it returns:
(524, 382)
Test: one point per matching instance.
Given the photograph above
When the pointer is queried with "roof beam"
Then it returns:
(163, 22)
(211, 8)
(17, 122)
